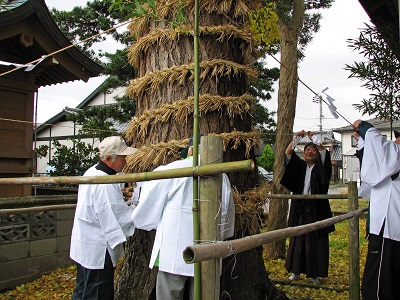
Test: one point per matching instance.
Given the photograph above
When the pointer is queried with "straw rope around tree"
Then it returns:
(248, 208)
(150, 157)
(162, 36)
(213, 68)
(180, 111)
(167, 10)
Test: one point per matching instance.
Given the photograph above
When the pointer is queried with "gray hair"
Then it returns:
(104, 156)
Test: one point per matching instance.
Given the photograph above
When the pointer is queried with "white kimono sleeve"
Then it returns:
(381, 158)
(151, 204)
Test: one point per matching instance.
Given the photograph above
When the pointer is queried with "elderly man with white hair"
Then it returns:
(101, 224)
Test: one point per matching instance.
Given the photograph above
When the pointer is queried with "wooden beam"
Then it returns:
(15, 169)
(28, 154)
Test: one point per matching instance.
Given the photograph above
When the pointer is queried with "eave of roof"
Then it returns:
(376, 122)
(384, 13)
(33, 17)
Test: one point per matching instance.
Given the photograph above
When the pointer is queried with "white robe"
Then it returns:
(102, 221)
(166, 205)
(381, 159)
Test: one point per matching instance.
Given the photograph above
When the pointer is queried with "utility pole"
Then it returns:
(320, 118)
(318, 99)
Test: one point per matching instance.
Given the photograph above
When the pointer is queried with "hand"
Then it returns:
(310, 134)
(300, 133)
(126, 193)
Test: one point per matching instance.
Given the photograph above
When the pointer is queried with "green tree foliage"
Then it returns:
(83, 22)
(380, 72)
(263, 118)
(267, 159)
(264, 26)
(72, 161)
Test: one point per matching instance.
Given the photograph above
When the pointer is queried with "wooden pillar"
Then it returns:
(354, 244)
(210, 214)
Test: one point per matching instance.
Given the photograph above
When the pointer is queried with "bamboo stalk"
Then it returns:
(15, 202)
(315, 196)
(26, 210)
(210, 169)
(201, 252)
(196, 131)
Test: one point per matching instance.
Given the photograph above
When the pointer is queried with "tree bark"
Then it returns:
(287, 94)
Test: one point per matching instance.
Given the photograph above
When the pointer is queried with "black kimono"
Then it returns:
(308, 253)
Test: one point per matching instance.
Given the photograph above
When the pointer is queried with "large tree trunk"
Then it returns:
(158, 63)
(287, 94)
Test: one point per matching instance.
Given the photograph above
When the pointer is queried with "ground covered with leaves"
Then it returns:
(60, 284)
(336, 285)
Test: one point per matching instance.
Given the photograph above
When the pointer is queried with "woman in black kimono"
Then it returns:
(308, 253)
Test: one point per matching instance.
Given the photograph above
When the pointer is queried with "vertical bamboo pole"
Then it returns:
(354, 246)
(196, 121)
(210, 214)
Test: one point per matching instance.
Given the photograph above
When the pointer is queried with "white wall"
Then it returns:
(64, 129)
(351, 163)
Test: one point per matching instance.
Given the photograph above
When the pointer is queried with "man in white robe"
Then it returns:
(381, 184)
(166, 205)
(101, 224)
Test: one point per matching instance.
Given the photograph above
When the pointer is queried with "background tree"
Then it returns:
(296, 30)
(380, 72)
(70, 161)
(267, 158)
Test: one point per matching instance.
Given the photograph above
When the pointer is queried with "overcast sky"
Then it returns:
(323, 67)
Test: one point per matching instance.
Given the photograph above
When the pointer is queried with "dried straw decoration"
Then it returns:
(162, 36)
(180, 110)
(248, 208)
(166, 10)
(210, 68)
(150, 157)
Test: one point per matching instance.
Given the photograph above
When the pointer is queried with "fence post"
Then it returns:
(354, 244)
(210, 214)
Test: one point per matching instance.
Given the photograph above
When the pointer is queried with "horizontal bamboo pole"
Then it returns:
(15, 202)
(208, 169)
(315, 196)
(202, 252)
(15, 211)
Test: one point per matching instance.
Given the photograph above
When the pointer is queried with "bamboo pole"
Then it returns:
(211, 169)
(354, 244)
(201, 252)
(196, 125)
(16, 202)
(26, 210)
(210, 215)
(314, 196)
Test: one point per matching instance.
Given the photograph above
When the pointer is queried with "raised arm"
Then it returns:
(294, 142)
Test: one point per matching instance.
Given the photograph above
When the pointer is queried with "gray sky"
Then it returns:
(323, 66)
